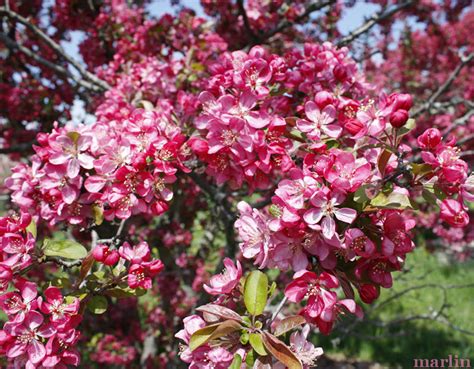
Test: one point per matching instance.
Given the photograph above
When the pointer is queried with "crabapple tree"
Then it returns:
(257, 138)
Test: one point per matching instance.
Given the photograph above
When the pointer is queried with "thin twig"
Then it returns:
(240, 5)
(286, 23)
(13, 45)
(461, 121)
(102, 85)
(278, 309)
(444, 87)
(66, 264)
(372, 21)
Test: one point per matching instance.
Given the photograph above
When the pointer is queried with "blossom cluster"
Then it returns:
(123, 169)
(16, 247)
(244, 130)
(41, 330)
(142, 267)
(449, 173)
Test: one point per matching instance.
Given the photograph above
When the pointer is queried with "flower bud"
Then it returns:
(154, 267)
(42, 138)
(403, 102)
(323, 98)
(103, 254)
(429, 139)
(398, 118)
(353, 126)
(340, 72)
(368, 293)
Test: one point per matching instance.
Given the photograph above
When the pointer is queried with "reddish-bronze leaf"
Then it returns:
(383, 161)
(288, 324)
(220, 312)
(281, 352)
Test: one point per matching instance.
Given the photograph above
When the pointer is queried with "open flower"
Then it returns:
(319, 121)
(453, 213)
(71, 149)
(225, 282)
(17, 305)
(28, 338)
(324, 207)
(54, 305)
(315, 288)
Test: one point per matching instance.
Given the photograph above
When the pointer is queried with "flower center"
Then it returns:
(228, 137)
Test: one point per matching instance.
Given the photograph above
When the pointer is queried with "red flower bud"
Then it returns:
(429, 139)
(353, 126)
(103, 254)
(340, 72)
(42, 138)
(369, 293)
(323, 98)
(403, 102)
(398, 118)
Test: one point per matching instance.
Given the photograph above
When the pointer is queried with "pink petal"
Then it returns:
(346, 215)
(332, 130)
(58, 158)
(36, 351)
(33, 320)
(86, 161)
(328, 226)
(94, 184)
(312, 111)
(248, 100)
(73, 168)
(313, 216)
(258, 120)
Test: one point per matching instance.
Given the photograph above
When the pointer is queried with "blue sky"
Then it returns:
(353, 18)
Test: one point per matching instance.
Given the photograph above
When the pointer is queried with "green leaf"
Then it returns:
(32, 228)
(410, 124)
(244, 338)
(97, 304)
(67, 249)
(86, 266)
(429, 196)
(236, 363)
(421, 169)
(212, 332)
(365, 193)
(393, 200)
(74, 136)
(98, 214)
(250, 358)
(272, 289)
(256, 342)
(197, 67)
(124, 292)
(256, 292)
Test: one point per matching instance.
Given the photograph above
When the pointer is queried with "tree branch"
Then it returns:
(240, 5)
(372, 21)
(102, 85)
(13, 45)
(286, 23)
(445, 86)
(459, 122)
(224, 208)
